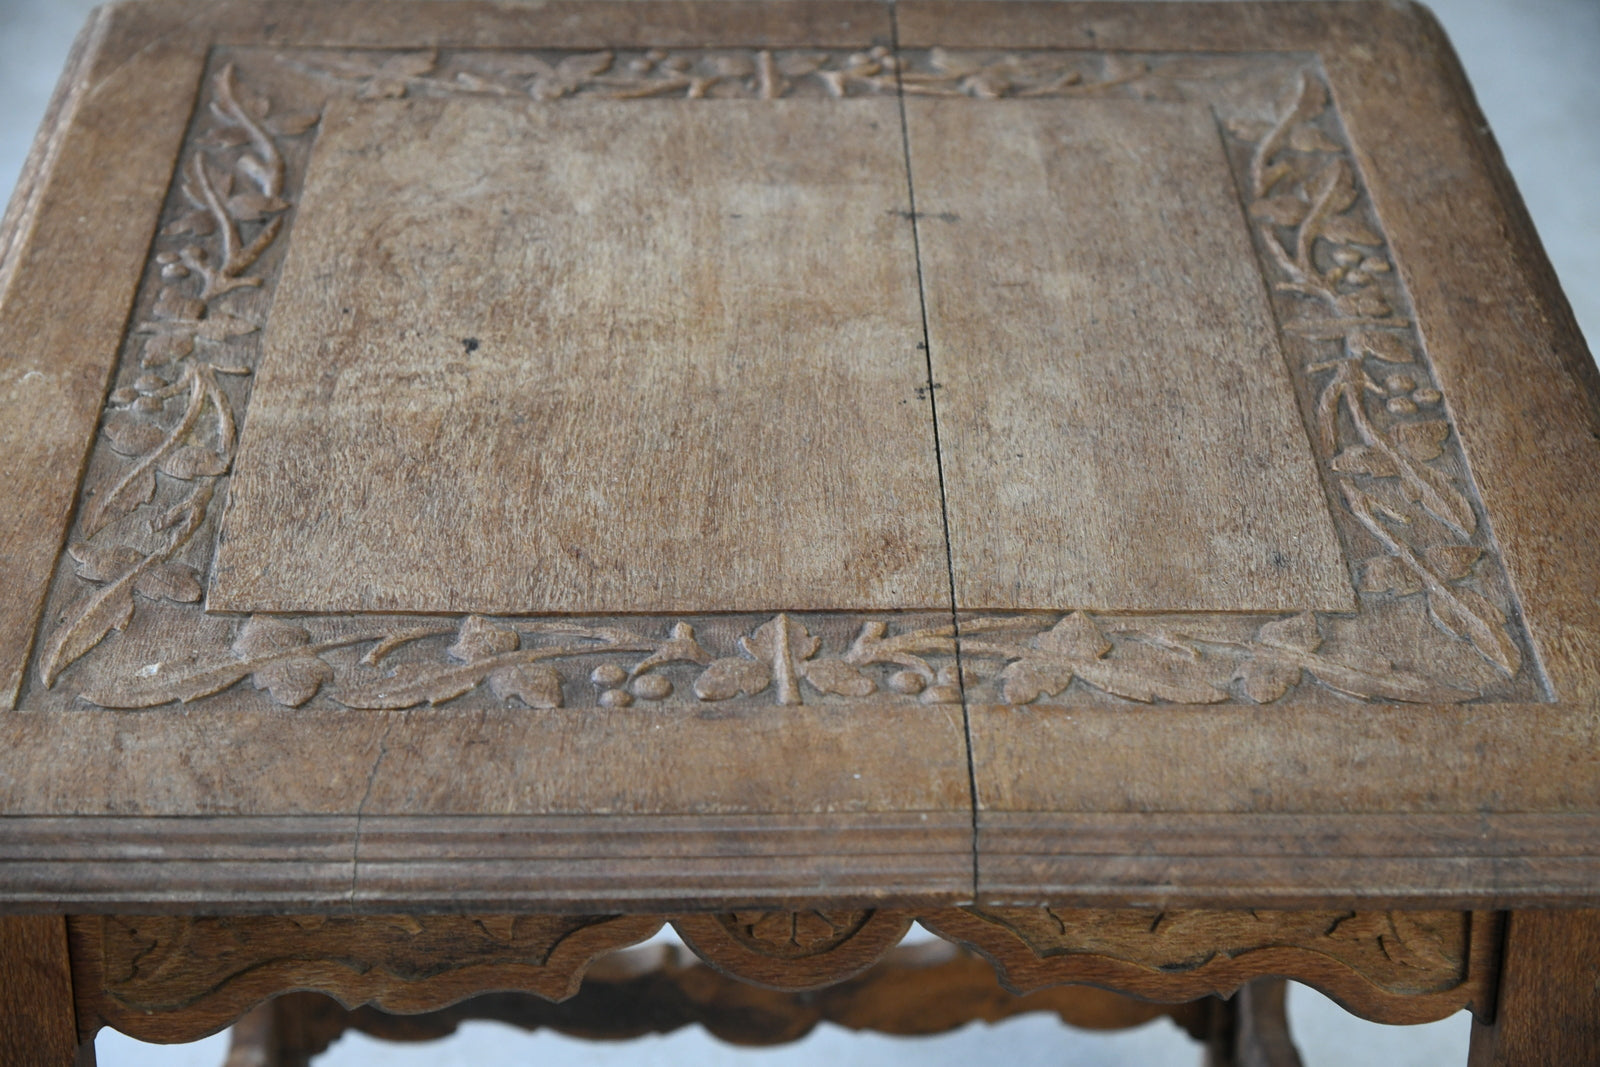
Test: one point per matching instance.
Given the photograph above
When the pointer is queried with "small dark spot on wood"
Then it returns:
(1279, 560)
(469, 343)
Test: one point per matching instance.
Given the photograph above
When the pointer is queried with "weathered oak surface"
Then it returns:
(37, 1022)
(1549, 993)
(177, 978)
(607, 356)
(796, 468)
(1118, 426)
(1313, 504)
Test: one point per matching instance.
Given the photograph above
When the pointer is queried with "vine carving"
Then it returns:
(1429, 582)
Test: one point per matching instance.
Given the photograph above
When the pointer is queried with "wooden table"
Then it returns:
(1116, 484)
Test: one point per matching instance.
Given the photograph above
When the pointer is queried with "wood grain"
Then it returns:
(793, 951)
(1392, 967)
(916, 990)
(1252, 1028)
(598, 863)
(57, 346)
(1110, 380)
(581, 434)
(1549, 995)
(1236, 859)
(1434, 749)
(162, 977)
(177, 978)
(37, 1024)
(1437, 621)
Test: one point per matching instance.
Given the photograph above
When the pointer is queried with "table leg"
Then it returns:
(37, 1022)
(1548, 1009)
(1251, 1028)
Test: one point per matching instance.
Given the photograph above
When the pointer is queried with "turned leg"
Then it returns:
(1251, 1028)
(38, 1025)
(1548, 1009)
(286, 1031)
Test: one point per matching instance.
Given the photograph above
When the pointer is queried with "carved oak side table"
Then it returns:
(1116, 484)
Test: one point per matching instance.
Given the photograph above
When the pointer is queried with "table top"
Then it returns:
(643, 455)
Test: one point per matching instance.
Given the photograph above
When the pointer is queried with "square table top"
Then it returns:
(634, 455)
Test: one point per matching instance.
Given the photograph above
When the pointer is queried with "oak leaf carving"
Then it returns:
(198, 222)
(1468, 614)
(788, 648)
(681, 647)
(568, 76)
(253, 207)
(1452, 562)
(129, 436)
(270, 649)
(1422, 441)
(166, 348)
(1388, 347)
(1349, 230)
(1363, 304)
(780, 637)
(1266, 677)
(1250, 130)
(172, 303)
(188, 462)
(1384, 455)
(1307, 138)
(1362, 459)
(836, 676)
(293, 124)
(535, 684)
(1076, 647)
(1386, 574)
(478, 639)
(1334, 190)
(1287, 648)
(1283, 210)
(112, 607)
(409, 684)
(170, 580)
(730, 677)
(392, 76)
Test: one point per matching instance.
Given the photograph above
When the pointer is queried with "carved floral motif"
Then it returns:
(1428, 569)
(789, 934)
(214, 968)
(177, 978)
(1388, 966)
(1379, 431)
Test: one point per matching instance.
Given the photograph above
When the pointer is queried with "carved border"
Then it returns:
(1389, 967)
(793, 951)
(179, 978)
(1432, 590)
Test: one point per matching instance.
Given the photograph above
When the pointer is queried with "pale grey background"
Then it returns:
(1536, 67)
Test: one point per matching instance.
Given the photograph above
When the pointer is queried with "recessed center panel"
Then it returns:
(596, 356)
(1119, 427)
